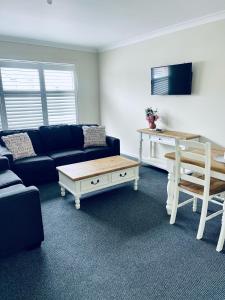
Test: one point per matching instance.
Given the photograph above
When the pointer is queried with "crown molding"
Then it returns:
(137, 39)
(11, 39)
(167, 30)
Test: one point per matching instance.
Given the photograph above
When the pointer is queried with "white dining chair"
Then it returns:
(195, 159)
(221, 239)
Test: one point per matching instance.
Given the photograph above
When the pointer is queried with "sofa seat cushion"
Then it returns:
(13, 188)
(67, 157)
(34, 170)
(97, 152)
(8, 178)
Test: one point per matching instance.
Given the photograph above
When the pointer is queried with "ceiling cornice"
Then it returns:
(167, 30)
(11, 39)
(141, 38)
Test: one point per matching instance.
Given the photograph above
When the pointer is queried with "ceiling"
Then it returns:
(96, 24)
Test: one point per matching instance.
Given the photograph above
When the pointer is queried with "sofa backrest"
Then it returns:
(34, 135)
(53, 138)
(56, 137)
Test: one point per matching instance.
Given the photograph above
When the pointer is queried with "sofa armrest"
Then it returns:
(5, 152)
(20, 220)
(114, 143)
(4, 163)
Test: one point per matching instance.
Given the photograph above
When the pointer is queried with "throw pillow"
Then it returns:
(94, 136)
(19, 145)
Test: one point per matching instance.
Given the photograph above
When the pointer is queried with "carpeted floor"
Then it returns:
(118, 246)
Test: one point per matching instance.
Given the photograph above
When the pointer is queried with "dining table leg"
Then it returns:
(170, 187)
(140, 147)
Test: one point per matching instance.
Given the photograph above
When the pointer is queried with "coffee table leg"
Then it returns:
(136, 184)
(63, 192)
(77, 202)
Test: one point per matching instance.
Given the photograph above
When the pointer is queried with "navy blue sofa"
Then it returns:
(20, 213)
(54, 145)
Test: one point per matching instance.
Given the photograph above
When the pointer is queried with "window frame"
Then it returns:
(40, 66)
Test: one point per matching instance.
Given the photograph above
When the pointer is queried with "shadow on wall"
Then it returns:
(198, 69)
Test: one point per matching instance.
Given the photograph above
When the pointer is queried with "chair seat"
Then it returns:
(216, 186)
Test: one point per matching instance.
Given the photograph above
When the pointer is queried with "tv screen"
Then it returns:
(171, 80)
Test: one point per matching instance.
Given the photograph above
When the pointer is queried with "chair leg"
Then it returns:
(201, 226)
(174, 207)
(194, 208)
(221, 239)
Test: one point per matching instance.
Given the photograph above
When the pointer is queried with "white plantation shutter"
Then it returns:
(33, 94)
(22, 97)
(60, 94)
(18, 79)
(23, 111)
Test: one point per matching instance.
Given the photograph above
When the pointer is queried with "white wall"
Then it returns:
(86, 64)
(125, 85)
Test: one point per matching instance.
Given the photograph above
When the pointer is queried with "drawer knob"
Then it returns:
(97, 181)
(123, 175)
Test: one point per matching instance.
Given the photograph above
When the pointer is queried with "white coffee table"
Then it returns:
(93, 175)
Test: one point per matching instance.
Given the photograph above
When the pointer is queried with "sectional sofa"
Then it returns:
(54, 145)
(20, 209)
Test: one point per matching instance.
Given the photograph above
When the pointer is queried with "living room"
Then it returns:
(97, 209)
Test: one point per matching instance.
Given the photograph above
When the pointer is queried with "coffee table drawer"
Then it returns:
(122, 175)
(94, 182)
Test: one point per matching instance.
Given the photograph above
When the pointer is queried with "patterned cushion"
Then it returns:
(94, 136)
(19, 145)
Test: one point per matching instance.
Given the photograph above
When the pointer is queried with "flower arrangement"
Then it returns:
(151, 117)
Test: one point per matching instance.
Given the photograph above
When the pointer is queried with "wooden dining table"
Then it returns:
(217, 171)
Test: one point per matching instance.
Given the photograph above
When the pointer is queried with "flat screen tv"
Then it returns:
(171, 80)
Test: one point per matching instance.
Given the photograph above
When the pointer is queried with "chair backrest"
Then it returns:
(193, 157)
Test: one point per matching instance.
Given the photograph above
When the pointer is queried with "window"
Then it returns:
(33, 94)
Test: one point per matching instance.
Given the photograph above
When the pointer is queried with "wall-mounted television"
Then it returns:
(171, 80)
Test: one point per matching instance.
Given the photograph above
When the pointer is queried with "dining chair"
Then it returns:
(192, 177)
(221, 239)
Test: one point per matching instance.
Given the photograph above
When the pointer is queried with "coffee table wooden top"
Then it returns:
(96, 167)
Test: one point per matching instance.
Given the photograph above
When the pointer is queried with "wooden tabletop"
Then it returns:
(215, 166)
(169, 133)
(96, 167)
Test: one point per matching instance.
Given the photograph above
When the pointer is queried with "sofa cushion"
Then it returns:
(8, 178)
(34, 170)
(56, 137)
(67, 157)
(97, 152)
(77, 136)
(94, 136)
(19, 145)
(34, 135)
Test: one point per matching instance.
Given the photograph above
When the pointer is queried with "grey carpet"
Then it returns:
(118, 246)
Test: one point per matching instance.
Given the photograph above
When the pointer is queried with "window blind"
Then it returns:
(60, 95)
(33, 94)
(19, 79)
(22, 97)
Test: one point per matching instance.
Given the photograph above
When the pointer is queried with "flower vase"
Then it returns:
(151, 122)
